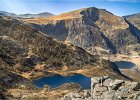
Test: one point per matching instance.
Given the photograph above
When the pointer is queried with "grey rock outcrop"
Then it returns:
(105, 88)
(90, 28)
(80, 95)
(115, 89)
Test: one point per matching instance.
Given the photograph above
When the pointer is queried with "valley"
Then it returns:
(57, 56)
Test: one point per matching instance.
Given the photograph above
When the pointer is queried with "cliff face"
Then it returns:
(26, 53)
(88, 28)
(23, 49)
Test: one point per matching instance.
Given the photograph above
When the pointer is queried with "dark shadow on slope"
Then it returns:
(135, 31)
(109, 44)
(6, 58)
(90, 15)
(116, 69)
(57, 31)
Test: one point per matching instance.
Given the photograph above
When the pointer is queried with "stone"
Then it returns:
(95, 80)
(134, 85)
(116, 84)
(16, 95)
(138, 97)
(129, 87)
(110, 90)
(81, 95)
(107, 82)
(76, 95)
(108, 95)
(85, 94)
(46, 88)
(99, 88)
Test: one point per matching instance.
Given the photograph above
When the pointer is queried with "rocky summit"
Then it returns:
(105, 88)
(89, 28)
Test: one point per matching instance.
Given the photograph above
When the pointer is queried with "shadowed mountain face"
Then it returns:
(23, 48)
(88, 28)
(134, 19)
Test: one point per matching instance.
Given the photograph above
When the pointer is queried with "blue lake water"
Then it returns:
(85, 82)
(58, 80)
(125, 65)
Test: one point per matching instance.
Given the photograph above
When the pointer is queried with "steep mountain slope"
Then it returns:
(134, 19)
(89, 28)
(24, 49)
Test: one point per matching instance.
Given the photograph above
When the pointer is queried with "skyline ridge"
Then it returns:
(118, 7)
(63, 12)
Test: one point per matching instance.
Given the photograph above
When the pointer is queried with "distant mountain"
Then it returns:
(44, 14)
(137, 15)
(4, 13)
(134, 19)
(89, 28)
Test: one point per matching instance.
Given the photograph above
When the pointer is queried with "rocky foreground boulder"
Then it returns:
(105, 88)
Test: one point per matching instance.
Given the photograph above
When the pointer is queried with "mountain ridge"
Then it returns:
(27, 54)
(134, 19)
(43, 14)
(27, 15)
(88, 28)
(24, 48)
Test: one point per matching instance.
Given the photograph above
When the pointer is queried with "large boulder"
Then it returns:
(80, 95)
(105, 88)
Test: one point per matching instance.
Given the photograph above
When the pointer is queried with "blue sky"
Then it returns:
(118, 7)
